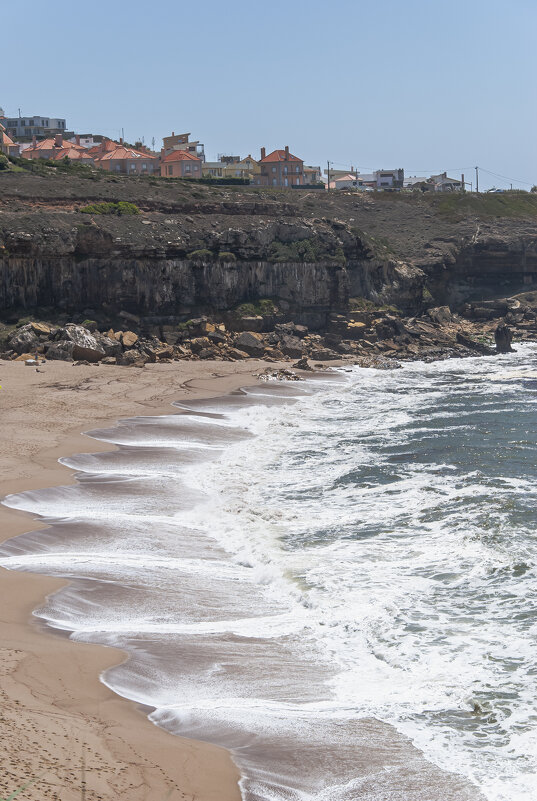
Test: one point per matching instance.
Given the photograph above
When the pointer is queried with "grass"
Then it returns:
(457, 206)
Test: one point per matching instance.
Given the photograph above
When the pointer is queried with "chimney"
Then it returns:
(34, 141)
(173, 133)
(58, 140)
(77, 139)
(120, 140)
(263, 153)
(287, 152)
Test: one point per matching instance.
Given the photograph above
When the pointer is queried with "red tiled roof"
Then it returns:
(120, 152)
(72, 153)
(279, 155)
(103, 147)
(180, 155)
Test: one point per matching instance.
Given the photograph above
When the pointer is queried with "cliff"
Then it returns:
(196, 249)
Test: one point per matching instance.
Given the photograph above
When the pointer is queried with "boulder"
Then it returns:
(41, 329)
(199, 343)
(60, 351)
(291, 346)
(503, 338)
(471, 344)
(251, 342)
(85, 345)
(235, 353)
(132, 358)
(23, 340)
(355, 330)
(129, 339)
(110, 347)
(440, 315)
(324, 354)
(302, 364)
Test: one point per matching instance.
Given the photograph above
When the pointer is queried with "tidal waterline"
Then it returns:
(286, 567)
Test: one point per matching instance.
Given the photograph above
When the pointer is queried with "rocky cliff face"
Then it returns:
(195, 250)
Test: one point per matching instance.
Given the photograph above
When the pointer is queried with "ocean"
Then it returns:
(317, 575)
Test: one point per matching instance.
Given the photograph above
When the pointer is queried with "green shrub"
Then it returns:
(4, 162)
(122, 208)
(201, 255)
(226, 255)
(263, 308)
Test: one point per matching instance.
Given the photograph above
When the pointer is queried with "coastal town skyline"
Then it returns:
(341, 101)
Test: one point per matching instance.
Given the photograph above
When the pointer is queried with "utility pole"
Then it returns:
(356, 178)
(477, 179)
(328, 174)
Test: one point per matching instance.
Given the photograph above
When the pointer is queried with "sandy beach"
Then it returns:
(54, 707)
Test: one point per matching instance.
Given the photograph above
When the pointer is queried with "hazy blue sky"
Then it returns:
(423, 84)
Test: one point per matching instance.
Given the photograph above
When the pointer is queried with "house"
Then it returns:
(7, 146)
(312, 175)
(247, 167)
(390, 179)
(55, 149)
(39, 125)
(123, 159)
(415, 182)
(442, 183)
(346, 181)
(181, 142)
(232, 167)
(213, 169)
(180, 164)
(280, 168)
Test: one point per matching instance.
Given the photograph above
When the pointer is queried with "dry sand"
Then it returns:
(53, 705)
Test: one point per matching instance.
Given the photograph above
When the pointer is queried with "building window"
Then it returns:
(274, 182)
(286, 181)
(274, 169)
(297, 169)
(285, 170)
(298, 181)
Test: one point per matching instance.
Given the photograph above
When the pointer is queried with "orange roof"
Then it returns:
(50, 144)
(72, 153)
(124, 153)
(103, 147)
(279, 155)
(180, 155)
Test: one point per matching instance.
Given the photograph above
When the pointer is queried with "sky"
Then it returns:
(427, 85)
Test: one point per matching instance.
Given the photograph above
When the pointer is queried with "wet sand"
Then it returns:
(53, 706)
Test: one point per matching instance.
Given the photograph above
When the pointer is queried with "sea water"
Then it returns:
(305, 572)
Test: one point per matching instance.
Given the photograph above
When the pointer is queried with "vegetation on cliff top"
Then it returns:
(120, 208)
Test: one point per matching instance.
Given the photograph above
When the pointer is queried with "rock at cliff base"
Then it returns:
(132, 358)
(251, 342)
(24, 340)
(60, 351)
(503, 338)
(471, 344)
(41, 329)
(129, 339)
(302, 364)
(440, 315)
(291, 346)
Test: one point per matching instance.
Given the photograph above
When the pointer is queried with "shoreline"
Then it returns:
(127, 756)
(54, 704)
